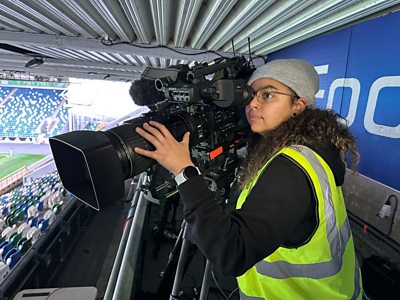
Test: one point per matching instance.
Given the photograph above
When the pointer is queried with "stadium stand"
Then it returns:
(94, 126)
(27, 112)
(13, 180)
(41, 225)
(26, 212)
(39, 222)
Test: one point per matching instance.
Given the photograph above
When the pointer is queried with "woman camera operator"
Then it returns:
(289, 237)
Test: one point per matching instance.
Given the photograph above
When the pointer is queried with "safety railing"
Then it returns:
(12, 180)
(122, 279)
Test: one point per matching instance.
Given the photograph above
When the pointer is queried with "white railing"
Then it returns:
(12, 179)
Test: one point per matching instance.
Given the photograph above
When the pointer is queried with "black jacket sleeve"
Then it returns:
(279, 204)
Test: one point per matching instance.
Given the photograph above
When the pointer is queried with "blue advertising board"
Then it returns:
(359, 69)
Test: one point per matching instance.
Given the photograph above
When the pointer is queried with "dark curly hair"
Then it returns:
(310, 127)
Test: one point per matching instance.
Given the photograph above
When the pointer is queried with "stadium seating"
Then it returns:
(29, 112)
(4, 91)
(93, 126)
(40, 223)
(25, 214)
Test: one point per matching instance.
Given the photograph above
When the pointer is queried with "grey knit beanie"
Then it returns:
(297, 74)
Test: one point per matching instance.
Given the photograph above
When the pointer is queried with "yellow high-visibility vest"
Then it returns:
(325, 267)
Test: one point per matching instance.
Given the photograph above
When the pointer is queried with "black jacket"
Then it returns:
(279, 211)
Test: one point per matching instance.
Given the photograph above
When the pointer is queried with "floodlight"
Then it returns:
(34, 62)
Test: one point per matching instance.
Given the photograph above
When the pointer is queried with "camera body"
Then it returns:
(207, 100)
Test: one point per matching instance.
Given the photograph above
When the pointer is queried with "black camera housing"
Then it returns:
(94, 165)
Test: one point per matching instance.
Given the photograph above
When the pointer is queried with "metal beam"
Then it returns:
(161, 12)
(278, 13)
(138, 15)
(336, 18)
(116, 19)
(66, 18)
(186, 16)
(236, 21)
(82, 10)
(209, 21)
(31, 11)
(75, 43)
(16, 14)
(72, 63)
(100, 74)
(56, 69)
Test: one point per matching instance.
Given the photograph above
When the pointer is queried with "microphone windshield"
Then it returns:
(144, 93)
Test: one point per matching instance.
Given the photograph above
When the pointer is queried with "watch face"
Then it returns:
(190, 171)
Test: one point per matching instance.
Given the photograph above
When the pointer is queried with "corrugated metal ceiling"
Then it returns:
(117, 39)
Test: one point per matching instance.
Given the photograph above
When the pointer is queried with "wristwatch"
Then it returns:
(186, 173)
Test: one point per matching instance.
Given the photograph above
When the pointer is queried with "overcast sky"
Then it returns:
(102, 97)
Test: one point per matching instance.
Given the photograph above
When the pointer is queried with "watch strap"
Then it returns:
(181, 177)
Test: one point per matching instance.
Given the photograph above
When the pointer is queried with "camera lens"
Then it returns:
(93, 165)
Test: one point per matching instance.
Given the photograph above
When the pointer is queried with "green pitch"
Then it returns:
(9, 164)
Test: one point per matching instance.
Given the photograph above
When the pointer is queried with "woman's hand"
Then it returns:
(169, 153)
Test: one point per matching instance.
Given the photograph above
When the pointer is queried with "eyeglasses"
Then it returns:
(266, 94)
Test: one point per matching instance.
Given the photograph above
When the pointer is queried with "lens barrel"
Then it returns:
(94, 164)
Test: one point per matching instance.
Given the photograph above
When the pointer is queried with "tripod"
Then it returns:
(184, 249)
(179, 258)
(125, 269)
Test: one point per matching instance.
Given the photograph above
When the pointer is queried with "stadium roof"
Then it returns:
(117, 39)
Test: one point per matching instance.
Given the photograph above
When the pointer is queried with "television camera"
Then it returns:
(205, 99)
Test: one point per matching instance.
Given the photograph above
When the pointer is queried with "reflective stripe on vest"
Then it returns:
(283, 269)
